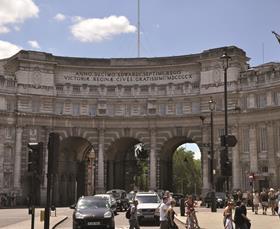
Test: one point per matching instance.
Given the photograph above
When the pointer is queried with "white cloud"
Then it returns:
(16, 11)
(8, 49)
(97, 30)
(60, 17)
(34, 44)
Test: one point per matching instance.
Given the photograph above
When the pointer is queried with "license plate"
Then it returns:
(93, 223)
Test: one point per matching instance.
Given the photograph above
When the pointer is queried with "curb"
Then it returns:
(61, 221)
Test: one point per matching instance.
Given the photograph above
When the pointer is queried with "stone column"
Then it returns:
(272, 168)
(18, 149)
(153, 165)
(205, 164)
(100, 180)
(253, 149)
(236, 161)
(1, 163)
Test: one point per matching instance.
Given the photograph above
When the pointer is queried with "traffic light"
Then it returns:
(35, 157)
(225, 163)
(53, 152)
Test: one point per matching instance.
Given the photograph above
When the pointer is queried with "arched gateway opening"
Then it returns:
(75, 171)
(167, 164)
(124, 171)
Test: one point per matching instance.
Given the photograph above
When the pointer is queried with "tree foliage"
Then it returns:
(186, 172)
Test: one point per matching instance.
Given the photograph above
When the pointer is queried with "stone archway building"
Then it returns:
(107, 105)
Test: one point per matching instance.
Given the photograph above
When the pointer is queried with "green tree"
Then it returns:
(186, 172)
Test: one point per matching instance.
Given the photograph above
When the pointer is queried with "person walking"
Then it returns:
(240, 216)
(272, 197)
(133, 221)
(227, 221)
(163, 208)
(264, 201)
(256, 201)
(170, 215)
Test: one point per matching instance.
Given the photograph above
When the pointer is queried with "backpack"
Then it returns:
(128, 213)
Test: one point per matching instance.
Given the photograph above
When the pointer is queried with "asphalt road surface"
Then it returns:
(120, 221)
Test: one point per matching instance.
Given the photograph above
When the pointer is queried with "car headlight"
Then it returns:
(107, 214)
(220, 200)
(79, 215)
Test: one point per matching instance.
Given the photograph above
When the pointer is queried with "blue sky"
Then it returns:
(108, 28)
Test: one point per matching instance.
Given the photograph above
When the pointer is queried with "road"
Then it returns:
(120, 221)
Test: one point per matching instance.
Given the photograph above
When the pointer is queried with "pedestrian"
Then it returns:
(169, 197)
(256, 201)
(227, 221)
(190, 211)
(272, 197)
(264, 201)
(163, 208)
(240, 219)
(170, 216)
(133, 221)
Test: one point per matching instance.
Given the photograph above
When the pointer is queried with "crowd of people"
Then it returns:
(260, 202)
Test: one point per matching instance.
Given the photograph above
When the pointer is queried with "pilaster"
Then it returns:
(153, 165)
(253, 149)
(100, 180)
(236, 161)
(18, 150)
(271, 155)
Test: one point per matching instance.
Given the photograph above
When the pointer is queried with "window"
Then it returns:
(261, 100)
(59, 87)
(244, 102)
(92, 110)
(76, 109)
(245, 140)
(276, 98)
(36, 105)
(195, 107)
(76, 89)
(8, 132)
(8, 155)
(144, 89)
(8, 179)
(179, 108)
(59, 106)
(263, 139)
(162, 109)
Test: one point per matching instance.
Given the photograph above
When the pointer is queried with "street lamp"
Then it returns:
(212, 105)
(225, 57)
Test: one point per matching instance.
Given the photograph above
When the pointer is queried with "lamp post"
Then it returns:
(225, 57)
(212, 105)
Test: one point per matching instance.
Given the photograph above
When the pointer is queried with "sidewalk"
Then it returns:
(26, 224)
(213, 220)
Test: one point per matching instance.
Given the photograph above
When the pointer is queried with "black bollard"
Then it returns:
(182, 206)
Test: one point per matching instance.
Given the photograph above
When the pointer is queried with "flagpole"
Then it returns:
(138, 30)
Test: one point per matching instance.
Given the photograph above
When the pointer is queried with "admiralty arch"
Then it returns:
(102, 107)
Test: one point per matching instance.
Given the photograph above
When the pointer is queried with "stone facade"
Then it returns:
(102, 107)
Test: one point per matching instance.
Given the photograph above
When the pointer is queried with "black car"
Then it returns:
(221, 199)
(121, 198)
(92, 212)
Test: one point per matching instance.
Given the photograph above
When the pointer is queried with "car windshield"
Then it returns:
(91, 203)
(220, 195)
(147, 199)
